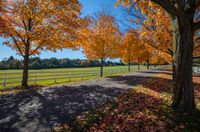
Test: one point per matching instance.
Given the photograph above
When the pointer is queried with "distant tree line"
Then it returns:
(38, 63)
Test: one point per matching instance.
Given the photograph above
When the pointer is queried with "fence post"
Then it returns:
(35, 78)
(69, 77)
(4, 79)
(82, 75)
(55, 78)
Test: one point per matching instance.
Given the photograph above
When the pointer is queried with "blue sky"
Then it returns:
(89, 8)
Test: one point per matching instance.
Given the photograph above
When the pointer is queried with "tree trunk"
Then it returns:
(101, 70)
(173, 71)
(176, 37)
(26, 56)
(129, 61)
(147, 63)
(183, 92)
(25, 71)
(138, 64)
(129, 67)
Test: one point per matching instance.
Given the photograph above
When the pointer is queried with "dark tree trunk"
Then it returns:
(101, 70)
(129, 62)
(147, 63)
(26, 56)
(138, 64)
(183, 91)
(173, 71)
(176, 39)
(129, 67)
(25, 71)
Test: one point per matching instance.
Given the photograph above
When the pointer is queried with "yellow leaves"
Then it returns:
(155, 30)
(132, 48)
(143, 90)
(117, 3)
(100, 39)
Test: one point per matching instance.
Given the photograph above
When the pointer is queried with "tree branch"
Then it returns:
(17, 45)
(197, 25)
(168, 6)
(39, 46)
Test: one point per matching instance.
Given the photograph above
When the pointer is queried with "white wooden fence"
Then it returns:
(196, 69)
(14, 78)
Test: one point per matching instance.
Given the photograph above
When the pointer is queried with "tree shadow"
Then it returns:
(154, 83)
(37, 110)
(138, 111)
(156, 72)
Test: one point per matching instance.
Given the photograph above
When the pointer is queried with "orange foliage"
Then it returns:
(30, 26)
(130, 47)
(135, 49)
(156, 27)
(100, 40)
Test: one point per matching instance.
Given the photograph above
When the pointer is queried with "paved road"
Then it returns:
(39, 110)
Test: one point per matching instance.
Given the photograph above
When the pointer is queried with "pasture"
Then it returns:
(12, 78)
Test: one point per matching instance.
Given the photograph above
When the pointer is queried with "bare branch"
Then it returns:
(38, 47)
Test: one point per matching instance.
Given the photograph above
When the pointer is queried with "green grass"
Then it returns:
(64, 74)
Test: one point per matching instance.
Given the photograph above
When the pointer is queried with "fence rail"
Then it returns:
(196, 69)
(67, 76)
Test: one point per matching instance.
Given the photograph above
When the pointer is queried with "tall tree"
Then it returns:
(100, 40)
(158, 34)
(30, 26)
(129, 48)
(184, 18)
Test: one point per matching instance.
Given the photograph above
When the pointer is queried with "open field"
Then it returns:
(12, 78)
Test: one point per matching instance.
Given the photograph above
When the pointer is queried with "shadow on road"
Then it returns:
(34, 110)
(37, 110)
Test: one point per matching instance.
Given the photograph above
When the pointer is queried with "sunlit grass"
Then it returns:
(66, 73)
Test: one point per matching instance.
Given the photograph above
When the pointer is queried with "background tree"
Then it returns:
(100, 40)
(184, 18)
(128, 50)
(134, 50)
(30, 26)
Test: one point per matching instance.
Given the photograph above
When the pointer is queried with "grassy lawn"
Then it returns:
(144, 108)
(62, 75)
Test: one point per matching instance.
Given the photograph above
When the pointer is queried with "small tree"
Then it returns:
(100, 40)
(129, 47)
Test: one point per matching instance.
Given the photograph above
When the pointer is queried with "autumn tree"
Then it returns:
(157, 34)
(184, 18)
(100, 40)
(30, 26)
(155, 28)
(128, 49)
(133, 49)
(153, 51)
